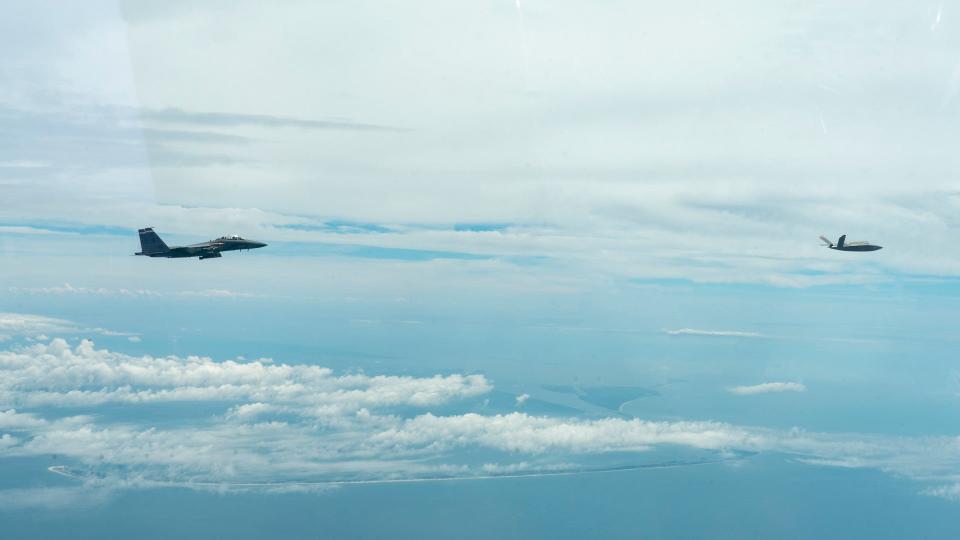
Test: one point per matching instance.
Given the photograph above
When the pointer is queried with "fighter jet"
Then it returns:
(152, 246)
(843, 245)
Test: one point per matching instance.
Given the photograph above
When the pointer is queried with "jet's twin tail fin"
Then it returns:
(841, 241)
(150, 242)
(826, 241)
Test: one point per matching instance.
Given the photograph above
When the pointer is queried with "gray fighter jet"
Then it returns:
(843, 245)
(152, 246)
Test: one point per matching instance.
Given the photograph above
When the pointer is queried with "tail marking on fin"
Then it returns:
(150, 242)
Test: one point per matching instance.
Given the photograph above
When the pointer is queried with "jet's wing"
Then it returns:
(180, 251)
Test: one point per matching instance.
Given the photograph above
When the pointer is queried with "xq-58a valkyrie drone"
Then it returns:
(843, 245)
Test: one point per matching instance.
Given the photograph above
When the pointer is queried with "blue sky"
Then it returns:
(518, 251)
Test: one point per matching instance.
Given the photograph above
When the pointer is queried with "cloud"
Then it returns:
(519, 432)
(69, 289)
(291, 424)
(10, 419)
(66, 288)
(524, 467)
(20, 229)
(36, 327)
(521, 399)
(950, 492)
(57, 375)
(18, 324)
(764, 388)
(689, 187)
(85, 138)
(179, 116)
(286, 422)
(6, 440)
(217, 293)
(715, 333)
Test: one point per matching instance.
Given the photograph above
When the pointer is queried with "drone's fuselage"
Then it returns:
(857, 247)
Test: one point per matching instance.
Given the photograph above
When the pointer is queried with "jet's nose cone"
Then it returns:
(259, 244)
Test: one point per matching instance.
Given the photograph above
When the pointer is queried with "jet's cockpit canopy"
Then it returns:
(231, 237)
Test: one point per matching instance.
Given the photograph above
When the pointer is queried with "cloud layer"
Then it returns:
(282, 424)
(801, 122)
(55, 375)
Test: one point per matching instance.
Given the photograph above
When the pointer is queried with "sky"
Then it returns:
(526, 259)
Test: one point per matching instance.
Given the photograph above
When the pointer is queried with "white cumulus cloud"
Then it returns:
(307, 425)
(54, 374)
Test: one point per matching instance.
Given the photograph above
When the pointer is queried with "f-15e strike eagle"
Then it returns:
(843, 245)
(152, 246)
